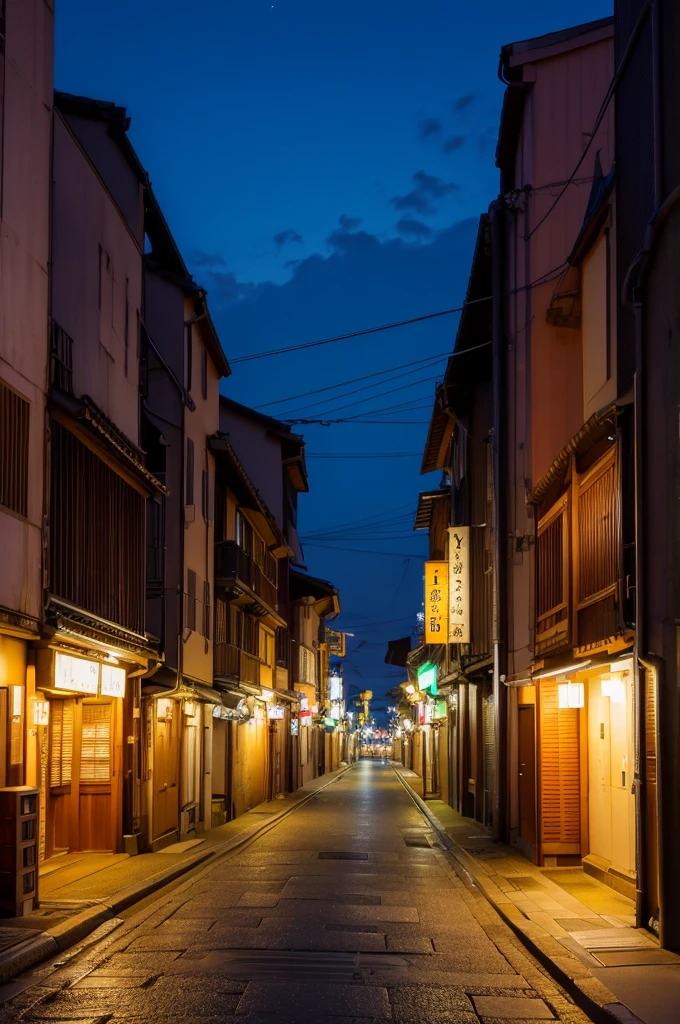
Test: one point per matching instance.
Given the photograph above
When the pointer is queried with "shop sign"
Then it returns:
(294, 727)
(75, 674)
(440, 709)
(459, 585)
(41, 712)
(276, 711)
(113, 681)
(427, 679)
(335, 686)
(436, 600)
(304, 704)
(336, 712)
(420, 713)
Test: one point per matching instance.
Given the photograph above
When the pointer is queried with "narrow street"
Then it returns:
(347, 910)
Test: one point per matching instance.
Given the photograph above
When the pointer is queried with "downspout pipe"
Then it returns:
(497, 239)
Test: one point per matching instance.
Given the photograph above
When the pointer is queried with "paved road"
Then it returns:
(346, 911)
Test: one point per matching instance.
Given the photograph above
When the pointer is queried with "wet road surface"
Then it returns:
(345, 911)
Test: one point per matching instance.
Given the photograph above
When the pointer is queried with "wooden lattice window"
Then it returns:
(95, 749)
(598, 532)
(552, 576)
(14, 419)
(61, 719)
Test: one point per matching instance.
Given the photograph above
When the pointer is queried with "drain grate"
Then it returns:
(360, 928)
(422, 842)
(286, 965)
(343, 855)
(347, 900)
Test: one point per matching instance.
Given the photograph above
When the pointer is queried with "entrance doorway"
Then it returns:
(165, 814)
(610, 759)
(527, 775)
(84, 775)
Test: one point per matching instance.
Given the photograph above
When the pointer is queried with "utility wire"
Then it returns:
(362, 455)
(355, 391)
(390, 326)
(353, 380)
(609, 95)
(363, 519)
(381, 394)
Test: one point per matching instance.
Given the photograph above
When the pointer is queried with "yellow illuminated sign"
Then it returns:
(436, 602)
(459, 584)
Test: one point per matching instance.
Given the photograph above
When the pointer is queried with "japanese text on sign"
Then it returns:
(436, 602)
(459, 584)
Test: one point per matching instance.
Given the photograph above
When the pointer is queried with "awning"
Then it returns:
(427, 501)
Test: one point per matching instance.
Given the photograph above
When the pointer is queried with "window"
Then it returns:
(14, 419)
(221, 620)
(190, 616)
(95, 748)
(61, 721)
(207, 493)
(251, 638)
(189, 355)
(244, 534)
(204, 374)
(189, 474)
(307, 665)
(267, 647)
(596, 321)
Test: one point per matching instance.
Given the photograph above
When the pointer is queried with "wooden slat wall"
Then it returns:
(560, 776)
(598, 534)
(97, 535)
(550, 561)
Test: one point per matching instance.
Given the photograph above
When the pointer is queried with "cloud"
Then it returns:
(427, 188)
(412, 228)
(464, 101)
(429, 126)
(453, 143)
(348, 223)
(200, 259)
(287, 237)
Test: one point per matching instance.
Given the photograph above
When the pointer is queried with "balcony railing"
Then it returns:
(233, 567)
(233, 663)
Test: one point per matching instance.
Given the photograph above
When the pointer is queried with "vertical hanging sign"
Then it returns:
(436, 602)
(459, 584)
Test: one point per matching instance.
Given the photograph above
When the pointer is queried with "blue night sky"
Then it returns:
(322, 165)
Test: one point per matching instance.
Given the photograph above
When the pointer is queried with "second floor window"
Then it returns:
(14, 419)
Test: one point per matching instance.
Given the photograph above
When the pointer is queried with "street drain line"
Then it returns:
(287, 965)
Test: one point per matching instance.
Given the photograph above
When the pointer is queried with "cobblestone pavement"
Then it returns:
(347, 910)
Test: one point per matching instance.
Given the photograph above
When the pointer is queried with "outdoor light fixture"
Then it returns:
(17, 696)
(189, 708)
(561, 671)
(570, 695)
(267, 696)
(614, 688)
(410, 689)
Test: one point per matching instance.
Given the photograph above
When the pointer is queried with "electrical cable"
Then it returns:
(352, 380)
(390, 326)
(355, 391)
(362, 455)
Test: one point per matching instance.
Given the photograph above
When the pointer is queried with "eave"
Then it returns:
(427, 501)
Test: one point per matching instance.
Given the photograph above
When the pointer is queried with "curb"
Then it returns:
(55, 940)
(588, 993)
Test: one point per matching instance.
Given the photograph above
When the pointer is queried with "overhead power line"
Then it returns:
(388, 327)
(363, 455)
(353, 380)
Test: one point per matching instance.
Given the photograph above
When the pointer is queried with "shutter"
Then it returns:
(95, 749)
(61, 716)
(206, 610)
(560, 786)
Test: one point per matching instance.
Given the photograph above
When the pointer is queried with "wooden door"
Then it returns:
(527, 774)
(560, 775)
(62, 719)
(96, 777)
(166, 774)
(84, 776)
